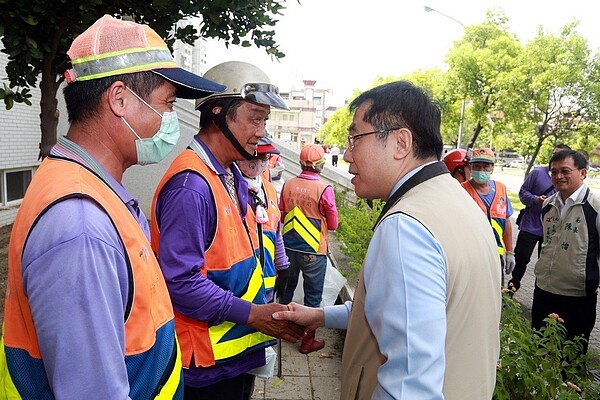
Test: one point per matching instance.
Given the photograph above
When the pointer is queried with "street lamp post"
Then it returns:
(462, 106)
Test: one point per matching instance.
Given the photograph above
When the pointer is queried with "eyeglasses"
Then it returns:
(563, 171)
(351, 142)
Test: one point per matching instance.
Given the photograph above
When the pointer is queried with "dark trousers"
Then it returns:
(334, 160)
(523, 249)
(240, 387)
(579, 313)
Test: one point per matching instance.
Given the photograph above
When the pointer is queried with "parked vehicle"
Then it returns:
(517, 164)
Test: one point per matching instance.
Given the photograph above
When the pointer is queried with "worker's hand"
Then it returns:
(509, 262)
(261, 319)
(311, 318)
(540, 200)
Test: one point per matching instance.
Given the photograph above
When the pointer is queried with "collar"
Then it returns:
(67, 150)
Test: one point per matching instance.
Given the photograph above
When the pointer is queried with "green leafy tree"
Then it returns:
(545, 92)
(36, 35)
(335, 129)
(480, 64)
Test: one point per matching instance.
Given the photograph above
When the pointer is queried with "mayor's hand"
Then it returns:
(311, 318)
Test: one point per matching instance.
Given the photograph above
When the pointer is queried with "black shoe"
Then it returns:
(514, 285)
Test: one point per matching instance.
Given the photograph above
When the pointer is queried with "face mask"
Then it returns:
(155, 149)
(253, 168)
(481, 177)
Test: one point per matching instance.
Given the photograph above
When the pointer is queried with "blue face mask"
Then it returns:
(156, 148)
(481, 177)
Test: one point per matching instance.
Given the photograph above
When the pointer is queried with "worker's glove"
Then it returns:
(281, 282)
(509, 262)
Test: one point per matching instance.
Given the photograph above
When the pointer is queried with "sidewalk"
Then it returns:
(306, 377)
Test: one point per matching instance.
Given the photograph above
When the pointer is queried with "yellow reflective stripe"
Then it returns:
(170, 388)
(499, 233)
(8, 389)
(269, 282)
(136, 68)
(269, 245)
(297, 221)
(95, 57)
(233, 347)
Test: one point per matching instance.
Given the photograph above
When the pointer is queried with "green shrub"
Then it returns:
(355, 229)
(540, 364)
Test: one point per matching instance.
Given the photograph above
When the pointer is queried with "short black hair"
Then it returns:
(578, 159)
(229, 105)
(562, 146)
(83, 97)
(402, 104)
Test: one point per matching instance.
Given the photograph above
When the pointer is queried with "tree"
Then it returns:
(479, 65)
(545, 95)
(36, 35)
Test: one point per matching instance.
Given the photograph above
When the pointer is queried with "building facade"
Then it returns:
(19, 149)
(309, 109)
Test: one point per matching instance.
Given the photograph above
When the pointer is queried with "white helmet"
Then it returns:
(245, 81)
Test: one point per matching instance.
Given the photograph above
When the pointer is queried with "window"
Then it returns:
(284, 117)
(14, 185)
(292, 117)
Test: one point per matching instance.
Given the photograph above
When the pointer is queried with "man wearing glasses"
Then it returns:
(567, 272)
(425, 315)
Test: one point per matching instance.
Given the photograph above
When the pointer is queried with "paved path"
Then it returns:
(315, 376)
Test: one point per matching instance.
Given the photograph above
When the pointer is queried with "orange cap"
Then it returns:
(483, 155)
(112, 47)
(312, 154)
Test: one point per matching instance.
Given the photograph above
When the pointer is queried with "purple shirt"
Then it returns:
(75, 276)
(186, 216)
(536, 183)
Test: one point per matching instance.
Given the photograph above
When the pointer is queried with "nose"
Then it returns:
(348, 155)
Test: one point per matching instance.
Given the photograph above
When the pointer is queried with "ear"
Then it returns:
(118, 98)
(402, 142)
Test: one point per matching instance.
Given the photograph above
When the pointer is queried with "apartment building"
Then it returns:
(309, 109)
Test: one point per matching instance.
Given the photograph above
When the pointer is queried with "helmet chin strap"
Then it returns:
(229, 135)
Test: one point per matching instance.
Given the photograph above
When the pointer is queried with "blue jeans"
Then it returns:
(313, 267)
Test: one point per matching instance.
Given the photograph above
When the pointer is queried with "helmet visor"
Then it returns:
(263, 93)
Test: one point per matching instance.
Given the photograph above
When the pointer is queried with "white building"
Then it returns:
(309, 109)
(19, 149)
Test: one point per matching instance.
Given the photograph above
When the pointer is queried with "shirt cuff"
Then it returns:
(240, 311)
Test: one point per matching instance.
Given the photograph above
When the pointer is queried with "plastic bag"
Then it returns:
(266, 371)
(334, 282)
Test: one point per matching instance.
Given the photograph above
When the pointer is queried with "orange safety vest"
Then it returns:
(149, 330)
(269, 235)
(304, 227)
(497, 212)
(230, 262)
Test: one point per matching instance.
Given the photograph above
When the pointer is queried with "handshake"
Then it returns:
(287, 322)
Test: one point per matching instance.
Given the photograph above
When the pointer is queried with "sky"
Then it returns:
(345, 44)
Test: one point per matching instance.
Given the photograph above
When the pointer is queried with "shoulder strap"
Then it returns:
(426, 173)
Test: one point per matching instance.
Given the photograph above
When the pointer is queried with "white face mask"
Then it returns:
(253, 168)
(156, 148)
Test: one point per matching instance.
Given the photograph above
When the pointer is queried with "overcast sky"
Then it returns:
(346, 44)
